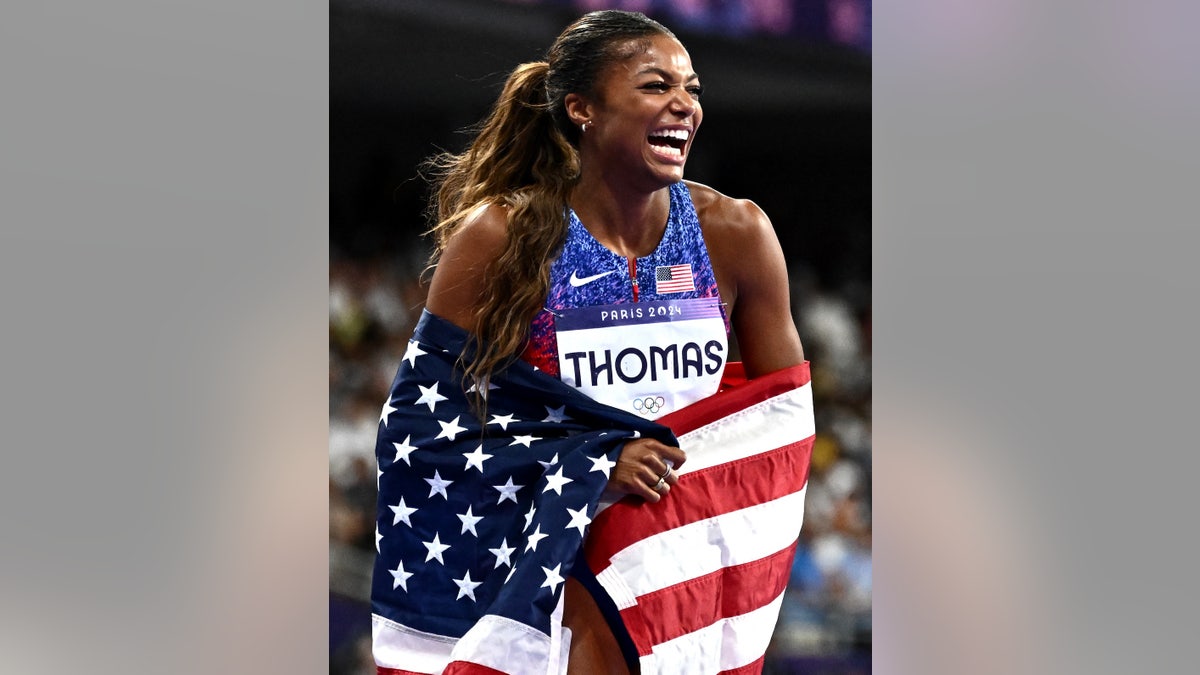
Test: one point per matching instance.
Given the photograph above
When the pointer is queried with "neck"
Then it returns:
(627, 222)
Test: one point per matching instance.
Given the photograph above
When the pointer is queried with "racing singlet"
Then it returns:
(647, 335)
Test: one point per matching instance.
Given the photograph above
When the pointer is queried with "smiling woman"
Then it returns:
(575, 268)
(648, 101)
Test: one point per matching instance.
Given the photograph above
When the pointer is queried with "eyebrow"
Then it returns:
(665, 75)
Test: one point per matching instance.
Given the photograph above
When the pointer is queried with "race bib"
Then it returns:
(650, 358)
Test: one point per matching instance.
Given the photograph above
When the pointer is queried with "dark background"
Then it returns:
(787, 121)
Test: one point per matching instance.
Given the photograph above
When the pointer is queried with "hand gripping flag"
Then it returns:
(479, 522)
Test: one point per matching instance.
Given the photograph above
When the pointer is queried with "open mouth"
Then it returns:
(670, 142)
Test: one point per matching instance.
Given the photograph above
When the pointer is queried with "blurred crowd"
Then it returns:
(825, 621)
(842, 21)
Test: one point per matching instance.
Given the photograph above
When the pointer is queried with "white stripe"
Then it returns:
(496, 642)
(506, 645)
(702, 547)
(727, 644)
(398, 646)
(560, 640)
(617, 587)
(762, 427)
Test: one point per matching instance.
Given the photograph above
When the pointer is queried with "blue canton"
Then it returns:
(475, 517)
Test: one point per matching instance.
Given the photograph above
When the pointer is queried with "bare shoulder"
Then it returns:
(722, 215)
(487, 224)
(735, 230)
(741, 243)
(459, 276)
(477, 241)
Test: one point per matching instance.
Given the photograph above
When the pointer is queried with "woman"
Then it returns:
(566, 236)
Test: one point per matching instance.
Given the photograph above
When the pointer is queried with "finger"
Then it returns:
(659, 457)
(648, 477)
(668, 471)
(650, 488)
(658, 465)
(644, 491)
(638, 480)
(675, 456)
(650, 461)
(659, 488)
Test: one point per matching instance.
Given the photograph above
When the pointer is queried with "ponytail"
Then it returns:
(522, 159)
(525, 157)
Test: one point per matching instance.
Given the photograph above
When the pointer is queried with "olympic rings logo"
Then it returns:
(649, 405)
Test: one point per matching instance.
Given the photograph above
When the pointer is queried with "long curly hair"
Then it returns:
(525, 157)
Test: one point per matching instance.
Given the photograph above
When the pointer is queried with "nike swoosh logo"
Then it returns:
(577, 282)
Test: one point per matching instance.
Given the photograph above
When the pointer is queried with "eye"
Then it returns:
(695, 90)
(656, 86)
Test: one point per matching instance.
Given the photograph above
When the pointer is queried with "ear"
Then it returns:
(579, 109)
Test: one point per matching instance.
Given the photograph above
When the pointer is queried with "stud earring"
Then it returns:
(584, 127)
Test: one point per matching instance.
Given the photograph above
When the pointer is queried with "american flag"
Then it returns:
(480, 522)
(699, 576)
(674, 279)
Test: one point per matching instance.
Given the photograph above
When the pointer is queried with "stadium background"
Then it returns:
(787, 124)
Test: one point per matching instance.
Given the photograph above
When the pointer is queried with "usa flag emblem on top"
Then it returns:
(674, 279)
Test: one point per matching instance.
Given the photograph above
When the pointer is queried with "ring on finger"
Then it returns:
(665, 473)
(659, 485)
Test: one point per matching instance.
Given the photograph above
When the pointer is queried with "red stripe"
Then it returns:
(675, 287)
(454, 668)
(689, 606)
(703, 494)
(725, 403)
(734, 375)
(752, 668)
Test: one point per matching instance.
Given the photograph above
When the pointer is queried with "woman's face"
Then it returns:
(646, 114)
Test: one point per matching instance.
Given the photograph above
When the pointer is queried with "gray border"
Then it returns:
(1033, 199)
(163, 261)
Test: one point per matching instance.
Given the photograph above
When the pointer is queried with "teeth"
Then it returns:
(668, 150)
(681, 134)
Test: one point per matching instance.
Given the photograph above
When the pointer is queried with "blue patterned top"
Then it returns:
(588, 274)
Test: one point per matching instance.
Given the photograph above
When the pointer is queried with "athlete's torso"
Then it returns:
(674, 284)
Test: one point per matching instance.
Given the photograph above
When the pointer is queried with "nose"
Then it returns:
(683, 104)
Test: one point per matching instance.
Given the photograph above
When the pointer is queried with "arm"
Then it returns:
(460, 276)
(752, 274)
(762, 315)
